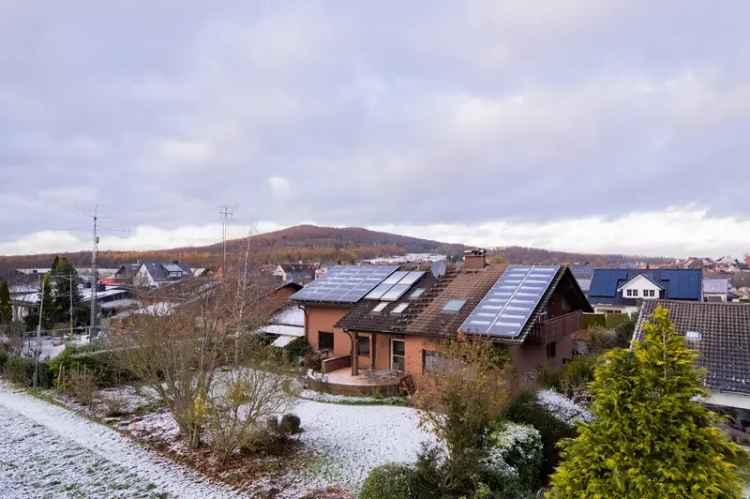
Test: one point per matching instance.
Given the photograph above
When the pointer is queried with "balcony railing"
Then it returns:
(557, 327)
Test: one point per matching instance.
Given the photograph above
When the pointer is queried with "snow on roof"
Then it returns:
(290, 316)
(283, 341)
(291, 331)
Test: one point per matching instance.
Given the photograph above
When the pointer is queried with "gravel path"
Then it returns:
(47, 451)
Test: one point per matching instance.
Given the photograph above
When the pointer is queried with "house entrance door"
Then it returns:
(398, 355)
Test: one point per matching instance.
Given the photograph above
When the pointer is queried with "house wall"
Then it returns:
(638, 285)
(414, 346)
(143, 278)
(323, 319)
(530, 357)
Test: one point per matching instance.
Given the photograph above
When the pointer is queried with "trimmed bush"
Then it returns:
(290, 424)
(389, 481)
(298, 348)
(101, 364)
(526, 410)
(20, 370)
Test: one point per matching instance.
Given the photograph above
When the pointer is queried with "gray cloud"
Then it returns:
(378, 114)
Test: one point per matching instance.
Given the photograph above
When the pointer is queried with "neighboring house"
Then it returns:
(288, 320)
(622, 291)
(397, 319)
(295, 272)
(716, 289)
(721, 334)
(740, 283)
(156, 274)
(126, 273)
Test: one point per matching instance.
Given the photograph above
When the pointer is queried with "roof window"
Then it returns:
(416, 293)
(693, 336)
(453, 306)
(379, 307)
(399, 308)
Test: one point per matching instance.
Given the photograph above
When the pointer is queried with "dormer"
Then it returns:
(641, 287)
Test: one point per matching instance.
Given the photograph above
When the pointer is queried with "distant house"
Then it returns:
(721, 333)
(295, 272)
(156, 274)
(126, 273)
(389, 319)
(622, 291)
(716, 289)
(583, 274)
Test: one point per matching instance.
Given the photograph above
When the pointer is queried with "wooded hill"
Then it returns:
(312, 243)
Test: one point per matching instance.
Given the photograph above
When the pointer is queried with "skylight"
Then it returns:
(453, 306)
(693, 336)
(399, 308)
(416, 293)
(379, 307)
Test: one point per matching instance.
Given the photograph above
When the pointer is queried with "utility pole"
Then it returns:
(226, 213)
(71, 304)
(39, 332)
(92, 322)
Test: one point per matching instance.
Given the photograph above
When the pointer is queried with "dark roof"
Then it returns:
(741, 279)
(725, 339)
(159, 271)
(678, 284)
(362, 318)
(428, 318)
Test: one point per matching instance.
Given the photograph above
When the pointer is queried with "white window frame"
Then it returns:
(393, 340)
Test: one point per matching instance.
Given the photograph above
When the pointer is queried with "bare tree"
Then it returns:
(466, 392)
(176, 350)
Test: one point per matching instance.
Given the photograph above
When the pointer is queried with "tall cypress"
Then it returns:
(6, 311)
(651, 437)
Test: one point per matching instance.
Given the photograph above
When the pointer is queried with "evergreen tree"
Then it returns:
(6, 311)
(650, 437)
(65, 279)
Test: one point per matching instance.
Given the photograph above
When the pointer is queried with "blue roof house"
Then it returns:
(623, 291)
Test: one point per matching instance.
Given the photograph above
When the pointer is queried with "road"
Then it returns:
(49, 452)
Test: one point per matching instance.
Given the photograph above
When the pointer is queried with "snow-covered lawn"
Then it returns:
(48, 451)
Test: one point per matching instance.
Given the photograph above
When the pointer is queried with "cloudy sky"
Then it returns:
(587, 126)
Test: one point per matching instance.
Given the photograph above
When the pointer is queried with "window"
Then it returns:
(399, 308)
(379, 307)
(651, 292)
(416, 293)
(325, 341)
(431, 361)
(551, 350)
(363, 345)
(398, 355)
(453, 306)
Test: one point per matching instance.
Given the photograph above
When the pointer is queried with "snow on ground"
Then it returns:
(48, 451)
(353, 439)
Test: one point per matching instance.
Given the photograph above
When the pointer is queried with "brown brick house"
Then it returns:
(410, 341)
(398, 324)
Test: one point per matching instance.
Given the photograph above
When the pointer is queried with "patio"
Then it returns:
(342, 382)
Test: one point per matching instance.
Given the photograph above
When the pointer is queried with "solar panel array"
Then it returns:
(344, 283)
(394, 287)
(507, 306)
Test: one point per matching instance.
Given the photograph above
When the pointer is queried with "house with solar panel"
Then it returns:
(623, 291)
(379, 324)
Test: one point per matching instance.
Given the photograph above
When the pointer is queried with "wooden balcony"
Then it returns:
(556, 327)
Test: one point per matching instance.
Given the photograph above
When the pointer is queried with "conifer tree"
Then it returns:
(6, 311)
(65, 280)
(650, 437)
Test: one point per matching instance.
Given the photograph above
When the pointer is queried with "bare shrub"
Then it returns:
(81, 385)
(249, 396)
(176, 350)
(459, 401)
(113, 407)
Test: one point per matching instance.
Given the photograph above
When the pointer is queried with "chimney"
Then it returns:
(475, 259)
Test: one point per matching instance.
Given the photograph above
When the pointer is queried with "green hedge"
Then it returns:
(101, 363)
(20, 370)
(389, 481)
(594, 320)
